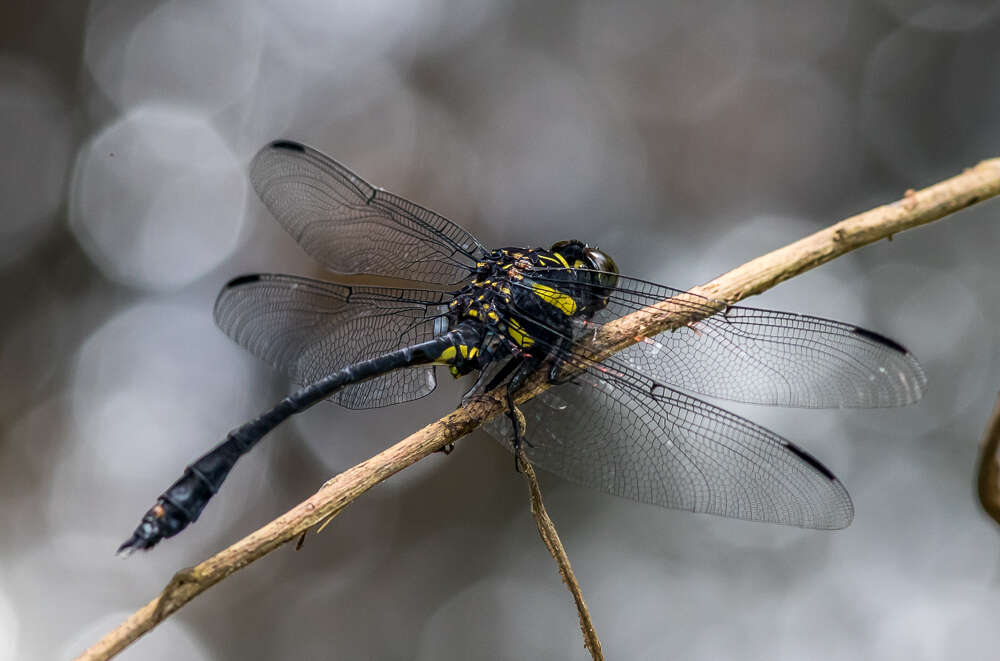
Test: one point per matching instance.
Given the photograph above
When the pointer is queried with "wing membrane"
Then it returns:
(679, 452)
(309, 328)
(611, 430)
(765, 356)
(352, 227)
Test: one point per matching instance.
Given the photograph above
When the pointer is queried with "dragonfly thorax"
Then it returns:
(532, 297)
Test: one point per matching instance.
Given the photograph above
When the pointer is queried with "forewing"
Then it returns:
(766, 356)
(352, 227)
(673, 450)
(309, 328)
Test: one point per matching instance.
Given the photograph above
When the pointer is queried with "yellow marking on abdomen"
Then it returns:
(450, 355)
(447, 356)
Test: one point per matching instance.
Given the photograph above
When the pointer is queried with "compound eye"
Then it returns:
(602, 261)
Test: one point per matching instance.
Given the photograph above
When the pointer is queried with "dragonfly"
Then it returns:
(631, 424)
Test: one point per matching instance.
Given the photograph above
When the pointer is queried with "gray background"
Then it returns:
(683, 138)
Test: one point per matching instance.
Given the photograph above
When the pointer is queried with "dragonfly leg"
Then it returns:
(478, 391)
(565, 345)
(505, 371)
(518, 423)
(524, 369)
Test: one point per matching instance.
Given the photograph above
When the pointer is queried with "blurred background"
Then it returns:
(682, 138)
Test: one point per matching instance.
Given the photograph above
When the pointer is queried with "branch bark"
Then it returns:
(914, 209)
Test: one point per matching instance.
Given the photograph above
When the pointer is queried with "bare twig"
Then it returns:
(914, 209)
(989, 466)
(547, 531)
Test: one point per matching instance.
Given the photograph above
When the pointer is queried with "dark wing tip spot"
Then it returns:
(880, 339)
(242, 280)
(811, 460)
(290, 145)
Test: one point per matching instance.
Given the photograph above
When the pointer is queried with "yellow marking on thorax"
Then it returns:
(563, 302)
(561, 259)
(557, 259)
(516, 333)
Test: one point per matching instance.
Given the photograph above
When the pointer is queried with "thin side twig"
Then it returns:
(547, 531)
(914, 209)
(989, 466)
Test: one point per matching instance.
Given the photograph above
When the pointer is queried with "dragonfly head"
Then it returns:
(602, 270)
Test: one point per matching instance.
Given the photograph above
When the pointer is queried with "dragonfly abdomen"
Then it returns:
(183, 502)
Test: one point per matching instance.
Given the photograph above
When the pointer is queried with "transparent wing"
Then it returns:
(309, 328)
(673, 450)
(352, 227)
(765, 356)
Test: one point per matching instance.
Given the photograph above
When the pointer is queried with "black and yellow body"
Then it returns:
(519, 314)
(501, 314)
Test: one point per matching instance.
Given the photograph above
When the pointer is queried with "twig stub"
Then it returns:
(989, 466)
(547, 531)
